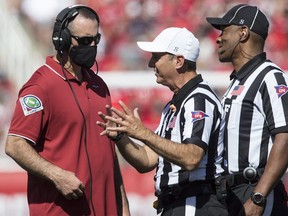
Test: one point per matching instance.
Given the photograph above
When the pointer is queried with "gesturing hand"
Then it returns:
(106, 123)
(127, 121)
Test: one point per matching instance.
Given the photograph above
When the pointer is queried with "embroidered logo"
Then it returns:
(281, 90)
(237, 90)
(198, 115)
(30, 104)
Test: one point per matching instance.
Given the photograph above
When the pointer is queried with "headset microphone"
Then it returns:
(233, 46)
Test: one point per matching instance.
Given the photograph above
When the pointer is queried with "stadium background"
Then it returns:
(25, 40)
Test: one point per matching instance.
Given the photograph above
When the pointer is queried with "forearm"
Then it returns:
(276, 165)
(26, 156)
(137, 155)
(187, 156)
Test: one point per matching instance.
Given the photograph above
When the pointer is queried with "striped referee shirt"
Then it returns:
(255, 107)
(196, 120)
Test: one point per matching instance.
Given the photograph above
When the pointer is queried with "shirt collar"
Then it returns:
(185, 90)
(248, 67)
(57, 69)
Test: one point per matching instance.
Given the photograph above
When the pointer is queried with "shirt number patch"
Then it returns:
(30, 104)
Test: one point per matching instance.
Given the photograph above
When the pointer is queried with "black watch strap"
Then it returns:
(118, 137)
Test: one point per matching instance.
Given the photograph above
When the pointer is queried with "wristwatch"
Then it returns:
(258, 199)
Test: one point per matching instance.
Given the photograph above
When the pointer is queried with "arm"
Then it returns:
(187, 156)
(141, 157)
(27, 157)
(276, 165)
(122, 201)
(274, 170)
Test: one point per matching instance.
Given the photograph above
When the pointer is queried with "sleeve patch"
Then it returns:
(281, 90)
(198, 115)
(30, 104)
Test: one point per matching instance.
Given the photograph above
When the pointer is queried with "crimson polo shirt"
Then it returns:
(47, 115)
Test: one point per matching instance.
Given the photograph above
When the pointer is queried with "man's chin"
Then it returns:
(223, 60)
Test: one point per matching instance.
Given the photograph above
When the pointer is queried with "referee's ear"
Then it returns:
(179, 61)
(245, 33)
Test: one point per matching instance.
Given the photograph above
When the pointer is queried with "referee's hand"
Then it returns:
(250, 209)
(106, 123)
(127, 121)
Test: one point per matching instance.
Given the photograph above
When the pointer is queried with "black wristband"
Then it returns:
(118, 137)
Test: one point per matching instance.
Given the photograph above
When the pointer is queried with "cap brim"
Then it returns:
(149, 47)
(217, 22)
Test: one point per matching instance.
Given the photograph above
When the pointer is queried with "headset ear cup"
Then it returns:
(65, 40)
(61, 39)
(56, 36)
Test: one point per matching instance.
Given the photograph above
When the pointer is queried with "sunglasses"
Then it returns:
(87, 40)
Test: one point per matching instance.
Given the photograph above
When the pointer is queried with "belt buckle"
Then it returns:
(249, 173)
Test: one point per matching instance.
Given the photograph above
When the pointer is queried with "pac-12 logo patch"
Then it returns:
(198, 115)
(281, 90)
(30, 104)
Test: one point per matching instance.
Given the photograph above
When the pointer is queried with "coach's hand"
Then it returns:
(68, 184)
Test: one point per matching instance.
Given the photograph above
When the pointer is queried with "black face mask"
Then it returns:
(83, 56)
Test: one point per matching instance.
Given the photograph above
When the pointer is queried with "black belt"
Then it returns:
(249, 175)
(176, 192)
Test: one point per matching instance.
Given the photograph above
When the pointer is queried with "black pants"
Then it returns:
(276, 202)
(203, 205)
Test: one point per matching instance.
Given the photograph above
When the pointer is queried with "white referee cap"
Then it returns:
(177, 41)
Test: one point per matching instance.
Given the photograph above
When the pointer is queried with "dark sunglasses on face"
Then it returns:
(87, 40)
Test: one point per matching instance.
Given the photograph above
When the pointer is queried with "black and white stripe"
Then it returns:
(203, 132)
(254, 115)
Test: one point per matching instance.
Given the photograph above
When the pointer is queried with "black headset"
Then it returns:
(61, 36)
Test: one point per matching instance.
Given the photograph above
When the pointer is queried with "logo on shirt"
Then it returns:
(281, 90)
(30, 104)
(198, 115)
(237, 90)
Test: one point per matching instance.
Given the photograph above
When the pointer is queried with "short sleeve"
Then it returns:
(30, 113)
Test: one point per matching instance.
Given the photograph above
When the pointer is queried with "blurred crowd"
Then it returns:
(123, 22)
(7, 98)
